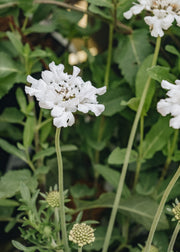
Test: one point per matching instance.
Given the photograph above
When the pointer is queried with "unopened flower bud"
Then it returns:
(81, 234)
(53, 198)
(176, 211)
(152, 249)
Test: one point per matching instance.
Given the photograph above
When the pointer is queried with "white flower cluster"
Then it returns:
(171, 105)
(81, 234)
(164, 12)
(65, 94)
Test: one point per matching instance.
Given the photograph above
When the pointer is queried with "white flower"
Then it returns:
(164, 12)
(65, 94)
(171, 105)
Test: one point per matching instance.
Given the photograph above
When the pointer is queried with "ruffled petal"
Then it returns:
(163, 107)
(65, 120)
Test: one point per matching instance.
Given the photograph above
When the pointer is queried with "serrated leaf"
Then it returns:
(131, 52)
(140, 209)
(117, 156)
(12, 149)
(11, 115)
(160, 73)
(157, 137)
(113, 98)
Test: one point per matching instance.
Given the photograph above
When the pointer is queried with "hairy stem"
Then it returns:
(61, 190)
(160, 209)
(127, 156)
(173, 238)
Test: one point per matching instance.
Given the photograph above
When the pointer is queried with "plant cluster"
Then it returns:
(89, 139)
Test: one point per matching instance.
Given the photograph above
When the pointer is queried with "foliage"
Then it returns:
(113, 52)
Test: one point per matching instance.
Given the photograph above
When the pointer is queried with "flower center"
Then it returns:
(167, 5)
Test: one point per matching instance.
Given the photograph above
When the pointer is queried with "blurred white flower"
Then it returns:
(65, 94)
(171, 105)
(164, 12)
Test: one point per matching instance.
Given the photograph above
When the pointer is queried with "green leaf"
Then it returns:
(113, 98)
(7, 65)
(68, 147)
(112, 176)
(8, 202)
(19, 246)
(10, 182)
(28, 133)
(15, 39)
(117, 156)
(12, 149)
(11, 115)
(25, 193)
(160, 73)
(96, 10)
(40, 28)
(21, 99)
(131, 52)
(138, 208)
(44, 153)
(81, 190)
(141, 79)
(172, 49)
(157, 137)
(101, 3)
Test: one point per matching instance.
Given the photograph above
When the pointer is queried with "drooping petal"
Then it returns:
(65, 120)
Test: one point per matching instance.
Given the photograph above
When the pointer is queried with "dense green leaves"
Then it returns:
(117, 156)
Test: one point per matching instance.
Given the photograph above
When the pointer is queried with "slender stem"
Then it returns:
(169, 157)
(173, 238)
(40, 125)
(7, 5)
(56, 219)
(61, 190)
(138, 167)
(79, 249)
(160, 209)
(128, 151)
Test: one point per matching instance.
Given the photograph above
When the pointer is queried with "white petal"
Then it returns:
(128, 14)
(167, 85)
(76, 71)
(67, 119)
(47, 76)
(175, 122)
(163, 107)
(57, 111)
(31, 80)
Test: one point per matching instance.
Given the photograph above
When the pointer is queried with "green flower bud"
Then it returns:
(53, 198)
(81, 234)
(176, 211)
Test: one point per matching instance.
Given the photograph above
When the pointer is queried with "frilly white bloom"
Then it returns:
(171, 105)
(164, 12)
(82, 234)
(65, 94)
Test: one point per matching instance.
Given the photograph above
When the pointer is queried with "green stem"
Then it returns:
(169, 157)
(79, 249)
(127, 156)
(61, 190)
(138, 167)
(173, 238)
(160, 209)
(56, 219)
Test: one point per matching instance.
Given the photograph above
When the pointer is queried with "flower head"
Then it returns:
(81, 234)
(176, 210)
(65, 94)
(53, 198)
(164, 12)
(171, 105)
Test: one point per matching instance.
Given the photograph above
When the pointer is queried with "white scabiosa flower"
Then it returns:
(171, 105)
(65, 94)
(164, 12)
(82, 234)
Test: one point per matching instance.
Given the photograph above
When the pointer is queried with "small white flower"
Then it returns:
(164, 12)
(171, 105)
(65, 94)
